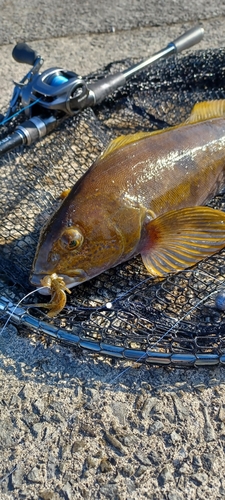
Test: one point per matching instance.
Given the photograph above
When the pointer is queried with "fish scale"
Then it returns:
(155, 327)
(117, 209)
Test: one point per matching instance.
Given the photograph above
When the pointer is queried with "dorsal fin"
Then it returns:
(201, 111)
(207, 110)
(124, 140)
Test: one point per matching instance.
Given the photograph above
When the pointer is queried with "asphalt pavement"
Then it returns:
(67, 432)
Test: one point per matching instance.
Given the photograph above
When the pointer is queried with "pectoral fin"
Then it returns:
(181, 238)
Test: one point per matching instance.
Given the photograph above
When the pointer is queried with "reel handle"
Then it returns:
(22, 53)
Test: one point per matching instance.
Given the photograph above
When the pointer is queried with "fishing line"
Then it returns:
(108, 305)
(143, 356)
(17, 305)
(210, 276)
(19, 112)
(8, 475)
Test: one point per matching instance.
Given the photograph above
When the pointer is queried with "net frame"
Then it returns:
(123, 312)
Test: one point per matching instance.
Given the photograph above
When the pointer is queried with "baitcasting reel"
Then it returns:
(48, 98)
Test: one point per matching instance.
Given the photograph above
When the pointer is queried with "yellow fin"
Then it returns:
(207, 110)
(65, 193)
(124, 140)
(181, 238)
(201, 111)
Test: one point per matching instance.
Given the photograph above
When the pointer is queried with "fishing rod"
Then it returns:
(48, 98)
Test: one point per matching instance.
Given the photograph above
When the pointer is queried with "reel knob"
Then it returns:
(22, 53)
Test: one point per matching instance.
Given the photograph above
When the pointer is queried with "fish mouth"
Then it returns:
(76, 277)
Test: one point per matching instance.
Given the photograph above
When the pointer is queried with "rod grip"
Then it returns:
(11, 142)
(188, 39)
(105, 86)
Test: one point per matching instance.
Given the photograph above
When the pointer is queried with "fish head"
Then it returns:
(80, 241)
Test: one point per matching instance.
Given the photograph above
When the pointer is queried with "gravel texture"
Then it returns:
(75, 425)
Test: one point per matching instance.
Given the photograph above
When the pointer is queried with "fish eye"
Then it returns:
(71, 239)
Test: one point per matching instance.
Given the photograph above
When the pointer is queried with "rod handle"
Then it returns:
(188, 39)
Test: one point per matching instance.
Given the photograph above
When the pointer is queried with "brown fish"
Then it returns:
(142, 195)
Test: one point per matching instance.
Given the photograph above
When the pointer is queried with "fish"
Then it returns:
(145, 194)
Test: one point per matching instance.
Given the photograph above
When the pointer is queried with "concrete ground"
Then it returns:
(68, 429)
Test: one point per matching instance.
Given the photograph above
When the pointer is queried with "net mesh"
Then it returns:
(123, 308)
